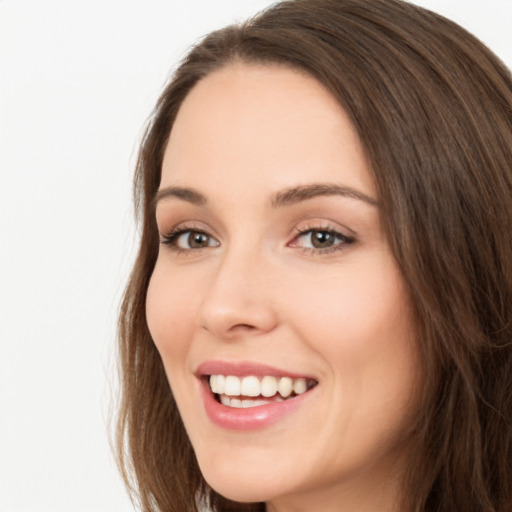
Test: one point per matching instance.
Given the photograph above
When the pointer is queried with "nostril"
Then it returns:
(243, 327)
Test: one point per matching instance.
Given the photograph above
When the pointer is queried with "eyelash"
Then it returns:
(344, 240)
(171, 239)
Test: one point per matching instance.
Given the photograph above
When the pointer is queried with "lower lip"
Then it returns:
(251, 418)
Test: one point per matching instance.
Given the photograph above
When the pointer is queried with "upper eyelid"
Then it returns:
(179, 231)
(300, 232)
(191, 225)
(185, 226)
(322, 225)
(298, 228)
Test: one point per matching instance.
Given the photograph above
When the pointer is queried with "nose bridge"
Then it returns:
(238, 298)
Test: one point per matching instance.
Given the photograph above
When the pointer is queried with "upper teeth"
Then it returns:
(255, 386)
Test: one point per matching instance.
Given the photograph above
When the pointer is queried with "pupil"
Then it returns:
(196, 240)
(322, 239)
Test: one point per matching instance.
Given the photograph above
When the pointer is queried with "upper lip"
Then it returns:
(245, 368)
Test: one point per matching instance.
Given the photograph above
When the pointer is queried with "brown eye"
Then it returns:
(322, 239)
(197, 240)
(187, 240)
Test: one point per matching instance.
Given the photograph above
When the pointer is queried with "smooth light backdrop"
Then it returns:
(77, 81)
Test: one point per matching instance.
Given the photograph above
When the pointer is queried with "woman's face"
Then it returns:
(274, 274)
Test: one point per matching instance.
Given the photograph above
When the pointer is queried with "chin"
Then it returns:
(249, 485)
(243, 491)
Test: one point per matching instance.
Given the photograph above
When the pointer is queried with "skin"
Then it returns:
(260, 292)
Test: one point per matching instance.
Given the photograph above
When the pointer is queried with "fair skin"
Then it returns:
(250, 273)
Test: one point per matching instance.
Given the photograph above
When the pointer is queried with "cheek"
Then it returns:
(359, 321)
(170, 306)
(360, 325)
(364, 302)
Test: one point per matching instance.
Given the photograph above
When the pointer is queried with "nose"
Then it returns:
(239, 299)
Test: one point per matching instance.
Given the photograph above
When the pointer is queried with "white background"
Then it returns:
(77, 80)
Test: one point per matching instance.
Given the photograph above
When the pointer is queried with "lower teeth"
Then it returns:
(246, 403)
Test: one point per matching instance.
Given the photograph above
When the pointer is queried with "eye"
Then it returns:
(189, 239)
(321, 240)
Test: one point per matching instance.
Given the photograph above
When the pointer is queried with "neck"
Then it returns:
(363, 494)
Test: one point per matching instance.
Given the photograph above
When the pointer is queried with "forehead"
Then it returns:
(263, 122)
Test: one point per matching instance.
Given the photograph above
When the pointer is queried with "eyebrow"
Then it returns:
(301, 193)
(286, 197)
(184, 193)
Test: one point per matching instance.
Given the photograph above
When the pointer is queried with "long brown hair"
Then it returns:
(433, 109)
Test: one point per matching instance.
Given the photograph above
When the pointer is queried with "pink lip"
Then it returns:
(252, 418)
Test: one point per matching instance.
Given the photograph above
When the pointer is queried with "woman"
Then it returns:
(319, 317)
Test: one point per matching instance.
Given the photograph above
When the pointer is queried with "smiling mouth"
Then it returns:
(251, 391)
